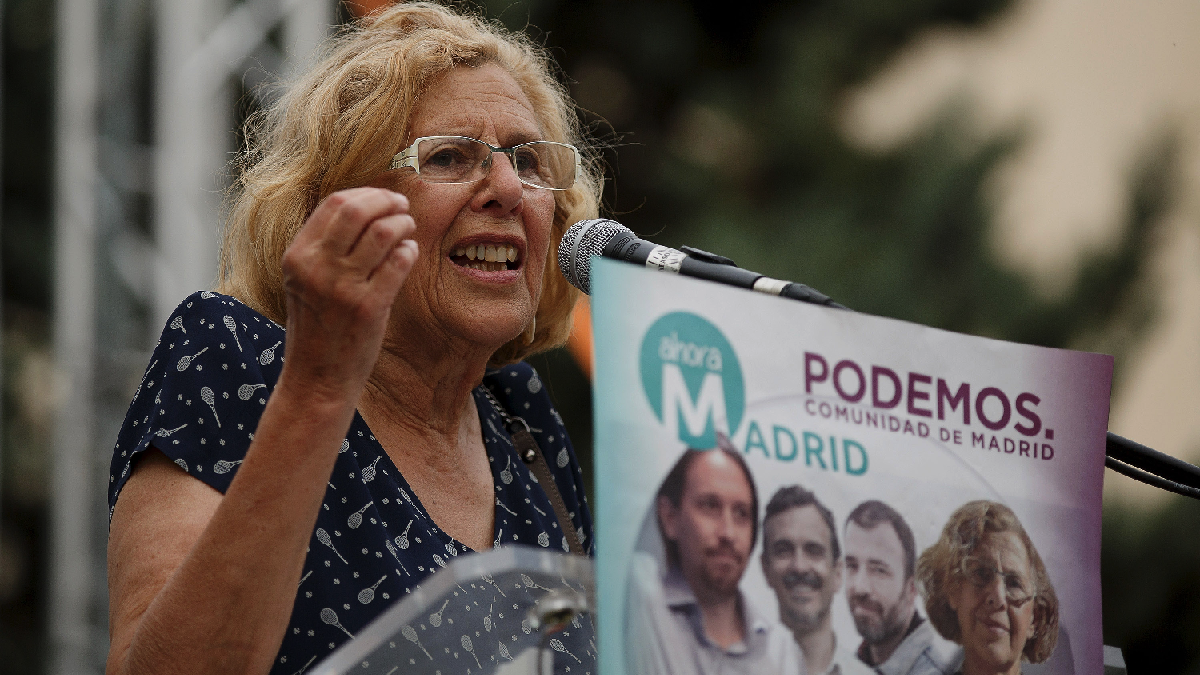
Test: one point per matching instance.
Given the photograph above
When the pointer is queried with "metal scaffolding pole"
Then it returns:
(136, 225)
(74, 328)
(200, 50)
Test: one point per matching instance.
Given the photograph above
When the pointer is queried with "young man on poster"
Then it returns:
(802, 563)
(882, 591)
(694, 619)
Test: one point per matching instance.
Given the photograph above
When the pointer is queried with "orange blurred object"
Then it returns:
(580, 342)
(361, 8)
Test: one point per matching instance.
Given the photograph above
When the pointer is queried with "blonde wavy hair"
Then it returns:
(939, 573)
(338, 125)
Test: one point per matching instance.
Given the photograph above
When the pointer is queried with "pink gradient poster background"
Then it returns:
(678, 360)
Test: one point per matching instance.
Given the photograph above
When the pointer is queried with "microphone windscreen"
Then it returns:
(583, 240)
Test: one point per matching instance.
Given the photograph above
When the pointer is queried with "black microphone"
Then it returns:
(608, 238)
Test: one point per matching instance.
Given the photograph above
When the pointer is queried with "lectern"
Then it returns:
(509, 611)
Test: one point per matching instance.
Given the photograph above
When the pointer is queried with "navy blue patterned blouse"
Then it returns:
(199, 403)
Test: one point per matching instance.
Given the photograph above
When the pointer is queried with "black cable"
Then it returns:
(1151, 479)
(1152, 461)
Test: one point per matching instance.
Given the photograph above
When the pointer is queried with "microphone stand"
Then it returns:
(1122, 455)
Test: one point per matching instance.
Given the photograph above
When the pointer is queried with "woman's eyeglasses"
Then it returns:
(460, 159)
(983, 574)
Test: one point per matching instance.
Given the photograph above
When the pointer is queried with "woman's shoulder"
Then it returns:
(217, 316)
(201, 395)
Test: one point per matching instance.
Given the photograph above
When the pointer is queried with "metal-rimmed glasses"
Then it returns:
(982, 574)
(461, 159)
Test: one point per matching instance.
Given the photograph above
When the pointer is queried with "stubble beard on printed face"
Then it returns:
(804, 623)
(888, 627)
(721, 570)
(800, 619)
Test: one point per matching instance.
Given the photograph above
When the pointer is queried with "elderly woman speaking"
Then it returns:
(398, 212)
(985, 587)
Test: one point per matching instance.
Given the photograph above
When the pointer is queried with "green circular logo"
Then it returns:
(692, 378)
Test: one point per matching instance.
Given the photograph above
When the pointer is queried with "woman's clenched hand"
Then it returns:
(341, 275)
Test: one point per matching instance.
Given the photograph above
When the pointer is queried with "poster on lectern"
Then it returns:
(786, 488)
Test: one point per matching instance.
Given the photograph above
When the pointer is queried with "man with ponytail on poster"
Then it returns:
(693, 618)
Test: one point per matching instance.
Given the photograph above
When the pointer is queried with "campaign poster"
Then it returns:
(789, 488)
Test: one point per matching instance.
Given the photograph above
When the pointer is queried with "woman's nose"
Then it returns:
(996, 592)
(501, 189)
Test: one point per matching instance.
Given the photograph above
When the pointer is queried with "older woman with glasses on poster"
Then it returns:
(398, 211)
(985, 587)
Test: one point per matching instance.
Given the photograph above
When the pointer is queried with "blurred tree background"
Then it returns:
(719, 125)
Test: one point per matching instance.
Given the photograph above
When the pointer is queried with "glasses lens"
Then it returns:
(545, 164)
(451, 159)
(983, 575)
(457, 159)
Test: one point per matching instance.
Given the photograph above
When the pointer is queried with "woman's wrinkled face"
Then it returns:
(451, 291)
(994, 602)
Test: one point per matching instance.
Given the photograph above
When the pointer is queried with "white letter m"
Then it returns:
(709, 404)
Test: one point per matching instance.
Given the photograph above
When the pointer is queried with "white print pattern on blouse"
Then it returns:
(543, 540)
(223, 466)
(186, 361)
(146, 374)
(177, 323)
(345, 447)
(392, 549)
(207, 396)
(530, 583)
(368, 473)
(323, 537)
(247, 390)
(402, 540)
(506, 476)
(163, 433)
(466, 643)
(355, 519)
(232, 326)
(268, 354)
(330, 617)
(534, 385)
(366, 595)
(435, 619)
(411, 635)
(563, 459)
(558, 646)
(492, 580)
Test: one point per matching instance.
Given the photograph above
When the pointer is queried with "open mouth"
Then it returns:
(486, 257)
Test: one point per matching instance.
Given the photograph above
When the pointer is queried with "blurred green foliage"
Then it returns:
(1151, 579)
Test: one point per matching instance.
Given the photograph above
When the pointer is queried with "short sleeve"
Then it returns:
(204, 391)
